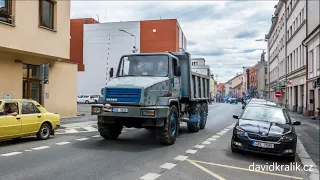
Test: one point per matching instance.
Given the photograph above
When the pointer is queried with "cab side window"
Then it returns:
(9, 108)
(174, 64)
(29, 108)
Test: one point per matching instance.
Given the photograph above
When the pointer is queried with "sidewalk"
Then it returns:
(308, 133)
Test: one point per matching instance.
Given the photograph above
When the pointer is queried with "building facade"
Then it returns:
(29, 39)
(76, 41)
(105, 43)
(253, 81)
(236, 86)
(312, 42)
(262, 78)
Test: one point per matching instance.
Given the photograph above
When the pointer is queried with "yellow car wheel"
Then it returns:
(44, 131)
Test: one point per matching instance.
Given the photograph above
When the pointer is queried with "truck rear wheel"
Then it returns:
(194, 118)
(203, 115)
(109, 131)
(168, 133)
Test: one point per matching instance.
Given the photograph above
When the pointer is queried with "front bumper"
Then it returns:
(278, 150)
(132, 111)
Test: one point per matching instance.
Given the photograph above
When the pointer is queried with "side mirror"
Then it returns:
(296, 123)
(177, 71)
(102, 91)
(242, 107)
(235, 117)
(111, 73)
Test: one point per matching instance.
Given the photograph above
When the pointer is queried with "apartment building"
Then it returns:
(276, 48)
(236, 86)
(312, 43)
(34, 33)
(105, 43)
(253, 81)
(262, 78)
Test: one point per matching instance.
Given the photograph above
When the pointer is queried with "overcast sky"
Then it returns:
(223, 32)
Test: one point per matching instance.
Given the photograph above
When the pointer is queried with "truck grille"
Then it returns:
(264, 138)
(123, 94)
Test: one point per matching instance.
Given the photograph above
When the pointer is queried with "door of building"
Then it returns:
(31, 82)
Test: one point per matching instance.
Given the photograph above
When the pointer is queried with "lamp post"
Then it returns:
(135, 40)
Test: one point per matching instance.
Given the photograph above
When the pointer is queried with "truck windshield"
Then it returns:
(144, 65)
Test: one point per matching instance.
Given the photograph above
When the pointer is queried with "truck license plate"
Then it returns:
(120, 110)
(263, 145)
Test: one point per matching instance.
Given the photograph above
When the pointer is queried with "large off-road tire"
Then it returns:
(168, 133)
(194, 118)
(203, 115)
(44, 131)
(109, 131)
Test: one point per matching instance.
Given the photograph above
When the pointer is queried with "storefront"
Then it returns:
(20, 78)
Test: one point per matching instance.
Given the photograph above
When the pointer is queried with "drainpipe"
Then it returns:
(286, 56)
(307, 60)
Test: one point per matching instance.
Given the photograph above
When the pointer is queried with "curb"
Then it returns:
(306, 160)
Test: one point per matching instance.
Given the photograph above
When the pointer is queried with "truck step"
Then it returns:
(185, 119)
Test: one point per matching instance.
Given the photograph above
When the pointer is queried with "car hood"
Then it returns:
(265, 128)
(141, 81)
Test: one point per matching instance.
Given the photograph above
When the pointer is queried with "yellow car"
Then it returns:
(24, 117)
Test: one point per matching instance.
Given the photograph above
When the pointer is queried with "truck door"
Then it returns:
(177, 91)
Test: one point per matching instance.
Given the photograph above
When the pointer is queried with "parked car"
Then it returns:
(233, 101)
(22, 117)
(88, 99)
(266, 129)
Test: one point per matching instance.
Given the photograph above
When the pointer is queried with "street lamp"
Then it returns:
(135, 40)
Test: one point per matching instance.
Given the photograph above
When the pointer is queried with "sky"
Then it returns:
(222, 32)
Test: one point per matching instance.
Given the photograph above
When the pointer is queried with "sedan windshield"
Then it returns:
(144, 65)
(268, 114)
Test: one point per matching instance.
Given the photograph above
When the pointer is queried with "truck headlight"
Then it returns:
(96, 110)
(240, 132)
(148, 112)
(287, 138)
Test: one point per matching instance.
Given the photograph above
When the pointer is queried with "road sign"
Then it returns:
(278, 94)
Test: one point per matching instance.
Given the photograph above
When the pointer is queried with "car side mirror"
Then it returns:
(235, 117)
(111, 73)
(177, 71)
(242, 107)
(296, 123)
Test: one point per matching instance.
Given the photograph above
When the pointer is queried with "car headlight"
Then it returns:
(240, 132)
(287, 138)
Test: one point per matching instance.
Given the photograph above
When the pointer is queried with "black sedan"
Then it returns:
(265, 129)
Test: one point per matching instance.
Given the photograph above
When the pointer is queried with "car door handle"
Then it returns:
(18, 118)
(39, 116)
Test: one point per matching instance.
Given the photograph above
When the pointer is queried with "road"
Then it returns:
(83, 155)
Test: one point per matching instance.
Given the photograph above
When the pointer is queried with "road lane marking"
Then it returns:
(96, 136)
(168, 165)
(199, 146)
(191, 151)
(181, 158)
(41, 147)
(89, 128)
(220, 133)
(71, 130)
(62, 143)
(27, 150)
(11, 154)
(123, 131)
(211, 139)
(206, 170)
(82, 139)
(150, 176)
(245, 169)
(215, 136)
(206, 142)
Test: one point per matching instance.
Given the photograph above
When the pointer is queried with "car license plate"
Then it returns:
(263, 145)
(120, 110)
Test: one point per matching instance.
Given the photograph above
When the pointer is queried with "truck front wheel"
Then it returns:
(203, 115)
(109, 131)
(168, 133)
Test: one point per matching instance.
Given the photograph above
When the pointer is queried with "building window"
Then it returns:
(318, 57)
(46, 13)
(302, 14)
(310, 57)
(6, 11)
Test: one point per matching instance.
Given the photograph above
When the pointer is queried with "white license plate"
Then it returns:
(263, 145)
(120, 110)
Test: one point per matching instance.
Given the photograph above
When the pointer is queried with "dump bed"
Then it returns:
(195, 79)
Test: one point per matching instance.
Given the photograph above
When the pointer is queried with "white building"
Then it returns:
(313, 48)
(105, 43)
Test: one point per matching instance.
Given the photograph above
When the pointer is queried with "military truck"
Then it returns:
(156, 91)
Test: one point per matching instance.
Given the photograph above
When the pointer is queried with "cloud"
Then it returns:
(222, 32)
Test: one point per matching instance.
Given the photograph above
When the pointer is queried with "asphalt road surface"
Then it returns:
(82, 155)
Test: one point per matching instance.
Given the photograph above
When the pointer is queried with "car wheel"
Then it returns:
(44, 132)
(87, 102)
(95, 101)
(291, 158)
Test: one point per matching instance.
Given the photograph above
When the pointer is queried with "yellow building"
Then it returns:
(34, 33)
(236, 85)
(213, 87)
